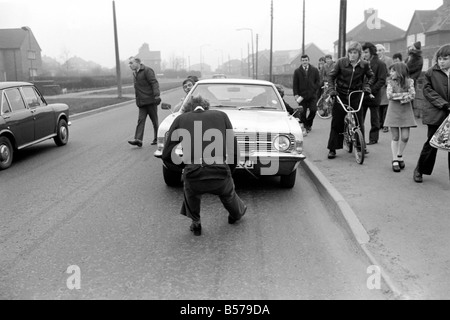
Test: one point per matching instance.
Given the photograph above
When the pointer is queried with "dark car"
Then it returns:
(26, 119)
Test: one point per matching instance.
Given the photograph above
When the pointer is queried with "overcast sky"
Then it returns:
(186, 28)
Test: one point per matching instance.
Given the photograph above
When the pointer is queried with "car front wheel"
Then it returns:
(62, 133)
(6, 153)
(172, 179)
(288, 181)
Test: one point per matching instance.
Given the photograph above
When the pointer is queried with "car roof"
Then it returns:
(236, 81)
(12, 84)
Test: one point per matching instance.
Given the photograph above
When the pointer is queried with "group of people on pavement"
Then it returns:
(390, 86)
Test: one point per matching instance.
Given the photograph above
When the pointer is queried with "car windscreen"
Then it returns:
(238, 96)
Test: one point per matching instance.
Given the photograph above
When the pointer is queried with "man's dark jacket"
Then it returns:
(191, 122)
(146, 87)
(379, 70)
(414, 62)
(306, 85)
(344, 79)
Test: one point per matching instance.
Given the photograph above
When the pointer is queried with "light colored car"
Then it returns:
(219, 76)
(26, 119)
(270, 140)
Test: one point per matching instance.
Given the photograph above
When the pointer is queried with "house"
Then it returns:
(377, 31)
(20, 55)
(149, 58)
(432, 29)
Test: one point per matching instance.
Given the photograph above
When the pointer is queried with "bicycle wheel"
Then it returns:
(348, 143)
(324, 107)
(359, 146)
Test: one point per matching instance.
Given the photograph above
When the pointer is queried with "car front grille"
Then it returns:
(261, 142)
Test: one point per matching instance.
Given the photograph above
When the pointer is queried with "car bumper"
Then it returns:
(261, 163)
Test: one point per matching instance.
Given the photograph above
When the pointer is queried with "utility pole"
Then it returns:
(303, 43)
(271, 41)
(256, 68)
(118, 75)
(342, 29)
(248, 59)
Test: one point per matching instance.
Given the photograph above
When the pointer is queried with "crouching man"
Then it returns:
(210, 153)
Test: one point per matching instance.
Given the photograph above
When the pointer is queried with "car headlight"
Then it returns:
(281, 143)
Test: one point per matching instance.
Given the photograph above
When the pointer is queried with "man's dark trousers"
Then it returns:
(428, 154)
(152, 111)
(374, 120)
(197, 182)
(307, 120)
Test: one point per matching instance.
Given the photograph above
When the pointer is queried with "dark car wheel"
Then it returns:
(62, 133)
(6, 153)
(288, 181)
(172, 179)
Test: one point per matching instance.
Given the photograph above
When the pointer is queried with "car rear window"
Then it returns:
(15, 99)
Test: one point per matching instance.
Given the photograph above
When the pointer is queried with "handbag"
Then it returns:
(441, 139)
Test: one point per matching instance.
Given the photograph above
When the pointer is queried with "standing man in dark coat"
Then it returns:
(306, 84)
(414, 62)
(147, 93)
(210, 153)
(373, 102)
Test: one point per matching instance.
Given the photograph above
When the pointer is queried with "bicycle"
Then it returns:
(353, 136)
(324, 104)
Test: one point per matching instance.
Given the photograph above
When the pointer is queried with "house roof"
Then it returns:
(12, 38)
(387, 32)
(439, 21)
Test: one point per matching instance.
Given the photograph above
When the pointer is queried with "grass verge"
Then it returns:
(82, 104)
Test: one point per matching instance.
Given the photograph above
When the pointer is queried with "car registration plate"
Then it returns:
(248, 164)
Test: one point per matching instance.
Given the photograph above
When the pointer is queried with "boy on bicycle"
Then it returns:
(350, 73)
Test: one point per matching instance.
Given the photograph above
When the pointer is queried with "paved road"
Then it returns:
(407, 222)
(102, 205)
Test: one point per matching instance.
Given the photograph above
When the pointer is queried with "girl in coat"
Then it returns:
(399, 116)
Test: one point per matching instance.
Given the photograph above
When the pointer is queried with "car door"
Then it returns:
(44, 117)
(19, 120)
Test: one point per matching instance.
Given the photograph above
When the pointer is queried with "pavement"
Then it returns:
(401, 225)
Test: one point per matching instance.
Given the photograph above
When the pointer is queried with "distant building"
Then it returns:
(432, 29)
(20, 55)
(149, 58)
(377, 31)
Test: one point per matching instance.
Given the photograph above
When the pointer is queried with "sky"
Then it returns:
(190, 30)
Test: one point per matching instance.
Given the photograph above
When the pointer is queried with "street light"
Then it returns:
(30, 53)
(253, 52)
(201, 58)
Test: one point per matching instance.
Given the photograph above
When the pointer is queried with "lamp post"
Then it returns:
(30, 54)
(201, 58)
(271, 42)
(116, 46)
(253, 52)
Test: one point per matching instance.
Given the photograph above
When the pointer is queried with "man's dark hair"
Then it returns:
(197, 101)
(398, 56)
(371, 47)
(329, 56)
(305, 56)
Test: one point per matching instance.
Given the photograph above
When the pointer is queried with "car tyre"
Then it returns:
(172, 179)
(288, 181)
(62, 133)
(6, 153)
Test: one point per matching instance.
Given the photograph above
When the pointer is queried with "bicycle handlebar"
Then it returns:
(349, 108)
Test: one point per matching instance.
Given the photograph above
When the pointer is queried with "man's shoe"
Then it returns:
(196, 228)
(308, 130)
(366, 151)
(331, 154)
(232, 220)
(153, 142)
(417, 176)
(372, 142)
(135, 143)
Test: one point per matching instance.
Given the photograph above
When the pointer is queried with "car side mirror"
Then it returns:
(166, 106)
